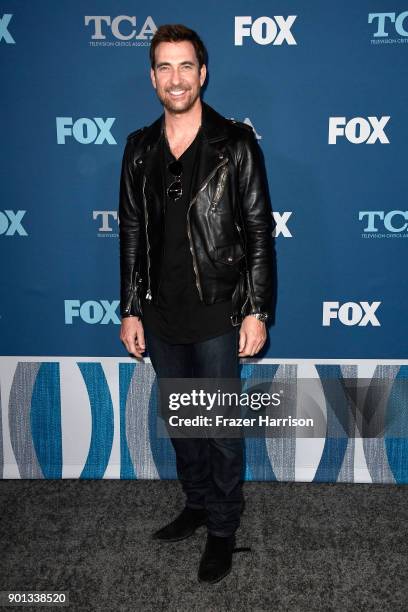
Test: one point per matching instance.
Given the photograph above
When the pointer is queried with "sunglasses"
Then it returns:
(175, 190)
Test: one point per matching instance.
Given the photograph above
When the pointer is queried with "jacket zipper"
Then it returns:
(149, 293)
(133, 289)
(162, 260)
(163, 249)
(250, 291)
(203, 186)
(249, 285)
(132, 292)
(129, 301)
(219, 189)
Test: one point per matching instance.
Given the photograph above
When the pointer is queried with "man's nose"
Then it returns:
(175, 77)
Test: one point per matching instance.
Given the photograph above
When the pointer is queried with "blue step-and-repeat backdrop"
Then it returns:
(324, 87)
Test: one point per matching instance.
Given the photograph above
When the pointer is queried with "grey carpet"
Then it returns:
(314, 547)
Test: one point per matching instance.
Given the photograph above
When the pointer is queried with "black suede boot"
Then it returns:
(183, 526)
(216, 561)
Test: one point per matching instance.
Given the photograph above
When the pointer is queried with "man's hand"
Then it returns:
(132, 336)
(252, 336)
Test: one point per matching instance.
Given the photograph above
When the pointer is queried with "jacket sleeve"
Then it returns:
(258, 224)
(131, 225)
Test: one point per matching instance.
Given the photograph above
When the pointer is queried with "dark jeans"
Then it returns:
(209, 469)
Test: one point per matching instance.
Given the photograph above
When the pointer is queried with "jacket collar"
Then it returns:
(214, 129)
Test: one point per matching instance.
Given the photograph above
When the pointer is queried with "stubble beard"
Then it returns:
(174, 107)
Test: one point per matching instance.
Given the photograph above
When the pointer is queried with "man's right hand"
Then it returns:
(132, 336)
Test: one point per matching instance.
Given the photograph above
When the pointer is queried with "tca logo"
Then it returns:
(91, 312)
(10, 223)
(86, 131)
(351, 313)
(394, 221)
(117, 30)
(104, 219)
(382, 21)
(265, 30)
(358, 129)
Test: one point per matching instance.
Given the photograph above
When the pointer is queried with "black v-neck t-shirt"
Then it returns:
(180, 317)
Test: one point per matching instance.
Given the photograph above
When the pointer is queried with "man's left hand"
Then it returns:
(252, 336)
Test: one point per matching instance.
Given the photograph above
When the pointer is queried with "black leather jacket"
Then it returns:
(229, 219)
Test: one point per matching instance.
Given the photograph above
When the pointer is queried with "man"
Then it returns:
(197, 270)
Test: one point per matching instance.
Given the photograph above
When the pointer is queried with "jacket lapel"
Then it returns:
(152, 159)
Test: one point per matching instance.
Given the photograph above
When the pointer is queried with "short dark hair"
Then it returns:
(175, 32)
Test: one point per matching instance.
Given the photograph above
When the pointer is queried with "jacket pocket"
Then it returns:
(230, 254)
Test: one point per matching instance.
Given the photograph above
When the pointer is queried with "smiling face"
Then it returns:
(176, 76)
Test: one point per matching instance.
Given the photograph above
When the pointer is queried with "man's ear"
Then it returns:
(153, 77)
(203, 74)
